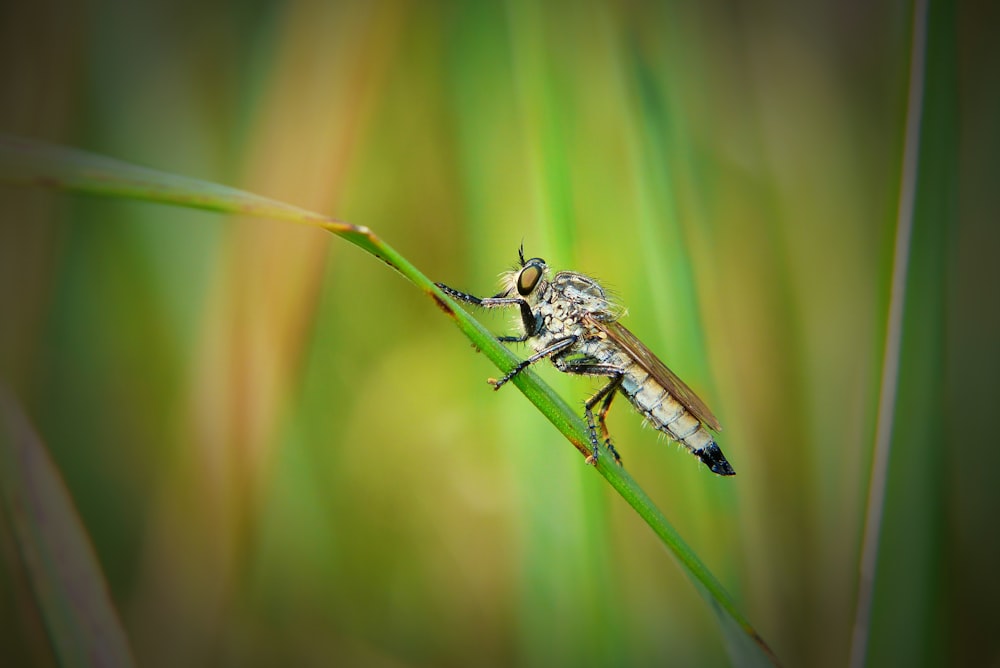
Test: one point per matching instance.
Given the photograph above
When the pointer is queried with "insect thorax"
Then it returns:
(567, 306)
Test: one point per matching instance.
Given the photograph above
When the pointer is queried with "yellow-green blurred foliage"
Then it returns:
(284, 454)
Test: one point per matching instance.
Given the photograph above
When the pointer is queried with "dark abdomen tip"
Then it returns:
(715, 460)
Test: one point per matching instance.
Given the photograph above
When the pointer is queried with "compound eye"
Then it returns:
(528, 279)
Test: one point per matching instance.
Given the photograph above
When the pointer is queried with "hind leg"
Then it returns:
(605, 394)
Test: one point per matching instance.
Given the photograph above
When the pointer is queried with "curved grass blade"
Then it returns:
(27, 162)
(63, 571)
(903, 530)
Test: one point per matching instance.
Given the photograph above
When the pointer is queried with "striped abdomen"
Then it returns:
(668, 415)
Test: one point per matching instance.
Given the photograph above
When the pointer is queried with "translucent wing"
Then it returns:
(638, 351)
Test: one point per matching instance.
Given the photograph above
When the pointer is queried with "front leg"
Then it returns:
(500, 300)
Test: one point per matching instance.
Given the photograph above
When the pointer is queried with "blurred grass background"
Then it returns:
(283, 454)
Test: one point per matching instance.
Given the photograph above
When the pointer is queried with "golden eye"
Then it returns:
(528, 279)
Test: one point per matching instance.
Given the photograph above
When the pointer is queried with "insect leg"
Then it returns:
(499, 301)
(514, 339)
(555, 348)
(605, 394)
(601, 417)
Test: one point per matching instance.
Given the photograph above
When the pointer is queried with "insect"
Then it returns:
(569, 320)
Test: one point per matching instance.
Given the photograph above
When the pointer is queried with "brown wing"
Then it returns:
(658, 370)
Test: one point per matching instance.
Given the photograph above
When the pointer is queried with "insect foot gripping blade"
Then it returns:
(715, 460)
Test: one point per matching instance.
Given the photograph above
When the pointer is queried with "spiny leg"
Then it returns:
(555, 348)
(601, 417)
(606, 393)
(461, 296)
(513, 339)
(499, 300)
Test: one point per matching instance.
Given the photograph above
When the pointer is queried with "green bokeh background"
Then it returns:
(284, 454)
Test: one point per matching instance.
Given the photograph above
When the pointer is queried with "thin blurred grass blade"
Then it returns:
(900, 584)
(65, 576)
(26, 162)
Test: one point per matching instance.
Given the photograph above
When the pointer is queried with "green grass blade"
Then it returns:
(30, 163)
(55, 549)
(901, 587)
(893, 339)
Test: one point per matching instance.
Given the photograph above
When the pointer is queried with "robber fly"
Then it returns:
(570, 321)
